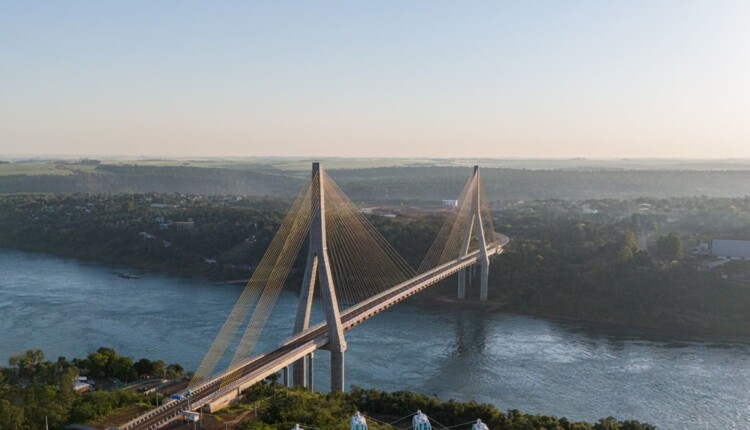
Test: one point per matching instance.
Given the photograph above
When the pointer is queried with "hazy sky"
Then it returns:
(378, 78)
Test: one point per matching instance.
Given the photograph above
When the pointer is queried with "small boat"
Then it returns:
(126, 275)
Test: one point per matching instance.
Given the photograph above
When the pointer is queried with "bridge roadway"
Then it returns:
(260, 367)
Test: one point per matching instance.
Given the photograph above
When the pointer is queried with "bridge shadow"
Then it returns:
(460, 369)
(471, 335)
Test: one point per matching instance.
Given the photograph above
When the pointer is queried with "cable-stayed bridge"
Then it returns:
(358, 275)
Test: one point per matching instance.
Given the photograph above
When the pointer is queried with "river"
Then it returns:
(69, 308)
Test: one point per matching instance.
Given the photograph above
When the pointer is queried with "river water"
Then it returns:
(70, 308)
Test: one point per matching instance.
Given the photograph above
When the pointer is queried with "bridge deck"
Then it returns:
(260, 367)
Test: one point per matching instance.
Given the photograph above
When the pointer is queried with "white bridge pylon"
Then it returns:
(475, 226)
(318, 265)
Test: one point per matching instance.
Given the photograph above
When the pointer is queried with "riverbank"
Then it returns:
(601, 326)
(443, 298)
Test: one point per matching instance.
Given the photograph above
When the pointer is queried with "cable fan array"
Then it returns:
(363, 264)
(263, 288)
(448, 243)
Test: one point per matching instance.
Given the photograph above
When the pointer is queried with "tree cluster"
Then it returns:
(285, 407)
(35, 392)
(107, 363)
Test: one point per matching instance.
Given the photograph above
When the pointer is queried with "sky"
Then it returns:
(531, 78)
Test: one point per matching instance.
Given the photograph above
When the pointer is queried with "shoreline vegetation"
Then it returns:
(624, 263)
(35, 392)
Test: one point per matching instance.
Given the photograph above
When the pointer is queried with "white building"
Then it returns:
(731, 249)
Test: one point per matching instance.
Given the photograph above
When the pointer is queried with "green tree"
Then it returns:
(12, 417)
(669, 247)
(629, 240)
(66, 393)
(625, 254)
(158, 368)
(174, 370)
(28, 363)
(123, 368)
(96, 363)
(144, 367)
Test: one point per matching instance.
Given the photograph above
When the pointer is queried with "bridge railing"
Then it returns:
(418, 279)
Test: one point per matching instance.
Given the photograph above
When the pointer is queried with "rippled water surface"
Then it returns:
(70, 308)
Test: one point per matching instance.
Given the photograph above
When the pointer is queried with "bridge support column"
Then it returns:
(337, 371)
(462, 274)
(302, 319)
(302, 372)
(310, 373)
(484, 280)
(299, 373)
(285, 376)
(461, 284)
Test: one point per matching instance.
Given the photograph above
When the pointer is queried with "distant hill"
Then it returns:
(163, 179)
(419, 182)
(432, 183)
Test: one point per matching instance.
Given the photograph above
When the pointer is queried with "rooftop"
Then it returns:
(730, 248)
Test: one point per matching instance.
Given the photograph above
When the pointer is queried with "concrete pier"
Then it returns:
(337, 371)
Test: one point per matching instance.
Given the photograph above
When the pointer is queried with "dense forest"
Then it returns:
(143, 230)
(419, 182)
(634, 269)
(627, 262)
(35, 392)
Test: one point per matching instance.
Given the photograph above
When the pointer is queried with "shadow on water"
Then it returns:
(618, 336)
(471, 335)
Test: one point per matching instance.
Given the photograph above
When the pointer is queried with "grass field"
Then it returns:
(30, 169)
(42, 168)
